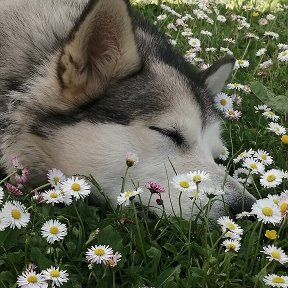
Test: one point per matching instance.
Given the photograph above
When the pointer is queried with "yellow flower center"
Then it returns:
(128, 194)
(275, 254)
(253, 166)
(16, 214)
(54, 230)
(75, 187)
(54, 273)
(267, 211)
(255, 14)
(271, 178)
(271, 234)
(197, 178)
(99, 251)
(231, 226)
(231, 246)
(271, 113)
(241, 62)
(32, 279)
(223, 102)
(263, 157)
(56, 179)
(231, 112)
(53, 194)
(283, 207)
(284, 139)
(184, 184)
(278, 280)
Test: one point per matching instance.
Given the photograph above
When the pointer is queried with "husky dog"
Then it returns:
(84, 82)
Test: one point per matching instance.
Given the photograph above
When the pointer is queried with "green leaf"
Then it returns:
(38, 257)
(166, 278)
(7, 276)
(155, 254)
(110, 236)
(278, 103)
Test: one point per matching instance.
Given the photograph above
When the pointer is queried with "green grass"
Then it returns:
(169, 251)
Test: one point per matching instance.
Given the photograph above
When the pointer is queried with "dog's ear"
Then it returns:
(215, 76)
(100, 47)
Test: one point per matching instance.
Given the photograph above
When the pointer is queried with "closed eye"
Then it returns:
(174, 135)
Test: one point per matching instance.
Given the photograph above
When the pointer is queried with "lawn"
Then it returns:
(125, 246)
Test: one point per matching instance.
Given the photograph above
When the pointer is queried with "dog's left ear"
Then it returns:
(215, 76)
(101, 48)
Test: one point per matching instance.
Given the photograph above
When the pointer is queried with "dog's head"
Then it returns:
(117, 85)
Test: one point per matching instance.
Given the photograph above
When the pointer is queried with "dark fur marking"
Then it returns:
(119, 105)
(174, 135)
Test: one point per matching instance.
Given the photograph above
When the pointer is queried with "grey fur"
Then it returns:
(37, 48)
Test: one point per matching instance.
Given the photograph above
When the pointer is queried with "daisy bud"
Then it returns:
(159, 201)
(131, 159)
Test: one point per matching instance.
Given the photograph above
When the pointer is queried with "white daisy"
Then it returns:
(266, 64)
(223, 102)
(231, 245)
(3, 222)
(271, 34)
(270, 17)
(113, 261)
(1, 195)
(30, 279)
(253, 165)
(194, 42)
(235, 86)
(227, 50)
(266, 211)
(221, 18)
(243, 155)
(228, 224)
(243, 176)
(282, 46)
(15, 214)
(57, 276)
(229, 40)
(183, 182)
(271, 115)
(53, 230)
(263, 156)
(276, 128)
(125, 197)
(53, 196)
(232, 114)
(283, 56)
(261, 108)
(99, 254)
(55, 176)
(224, 153)
(275, 253)
(212, 192)
(76, 187)
(243, 215)
(199, 176)
(271, 178)
(232, 235)
(205, 32)
(241, 64)
(261, 52)
(275, 198)
(276, 280)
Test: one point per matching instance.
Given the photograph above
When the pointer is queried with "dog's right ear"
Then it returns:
(101, 47)
(216, 75)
